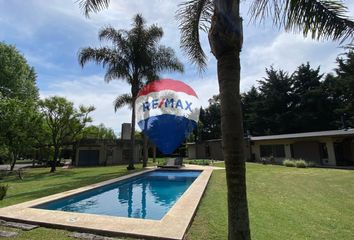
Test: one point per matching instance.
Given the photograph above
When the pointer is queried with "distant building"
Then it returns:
(126, 131)
(96, 152)
(334, 148)
(93, 152)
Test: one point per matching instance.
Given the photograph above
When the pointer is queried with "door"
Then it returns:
(89, 157)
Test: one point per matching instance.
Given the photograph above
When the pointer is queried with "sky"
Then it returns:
(50, 34)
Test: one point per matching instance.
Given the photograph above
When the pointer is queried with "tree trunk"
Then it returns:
(154, 153)
(232, 139)
(225, 39)
(55, 157)
(73, 155)
(146, 153)
(13, 161)
(132, 139)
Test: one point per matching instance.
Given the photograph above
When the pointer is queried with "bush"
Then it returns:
(3, 191)
(161, 162)
(300, 163)
(289, 163)
(311, 164)
(199, 162)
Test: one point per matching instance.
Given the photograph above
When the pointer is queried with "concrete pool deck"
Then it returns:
(172, 226)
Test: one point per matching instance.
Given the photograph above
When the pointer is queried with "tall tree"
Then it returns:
(126, 100)
(65, 122)
(221, 19)
(210, 118)
(17, 78)
(135, 57)
(276, 92)
(321, 19)
(19, 124)
(98, 132)
(253, 105)
(312, 111)
(340, 90)
(18, 96)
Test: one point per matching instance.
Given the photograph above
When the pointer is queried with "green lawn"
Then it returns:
(284, 203)
(39, 182)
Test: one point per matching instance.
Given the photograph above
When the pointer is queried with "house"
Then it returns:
(105, 152)
(95, 152)
(334, 148)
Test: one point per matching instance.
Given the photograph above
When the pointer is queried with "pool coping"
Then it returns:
(172, 226)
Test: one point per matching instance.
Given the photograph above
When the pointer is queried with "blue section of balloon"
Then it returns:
(167, 131)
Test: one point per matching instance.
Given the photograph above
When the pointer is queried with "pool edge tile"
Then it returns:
(173, 225)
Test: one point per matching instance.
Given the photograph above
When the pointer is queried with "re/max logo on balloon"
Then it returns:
(167, 103)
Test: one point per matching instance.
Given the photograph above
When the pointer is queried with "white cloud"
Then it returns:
(36, 33)
(286, 51)
(92, 90)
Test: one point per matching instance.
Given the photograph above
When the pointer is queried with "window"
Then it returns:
(273, 150)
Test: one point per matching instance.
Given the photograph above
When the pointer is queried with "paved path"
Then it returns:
(17, 166)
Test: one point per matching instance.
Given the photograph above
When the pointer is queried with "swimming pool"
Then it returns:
(146, 196)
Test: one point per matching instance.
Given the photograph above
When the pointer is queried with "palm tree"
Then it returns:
(221, 19)
(321, 19)
(126, 100)
(135, 57)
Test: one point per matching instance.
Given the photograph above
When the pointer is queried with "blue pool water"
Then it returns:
(147, 196)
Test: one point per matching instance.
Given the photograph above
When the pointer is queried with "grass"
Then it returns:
(39, 182)
(284, 203)
(39, 233)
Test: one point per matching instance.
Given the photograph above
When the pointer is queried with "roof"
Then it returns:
(332, 133)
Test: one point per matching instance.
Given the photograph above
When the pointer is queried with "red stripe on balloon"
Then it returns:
(167, 84)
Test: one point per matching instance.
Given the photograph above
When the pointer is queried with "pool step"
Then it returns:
(22, 226)
(90, 236)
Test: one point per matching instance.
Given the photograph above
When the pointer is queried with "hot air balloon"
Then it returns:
(167, 111)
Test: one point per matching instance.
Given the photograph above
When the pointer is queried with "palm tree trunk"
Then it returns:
(132, 138)
(146, 154)
(225, 39)
(232, 139)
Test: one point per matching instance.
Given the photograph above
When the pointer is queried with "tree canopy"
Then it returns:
(98, 132)
(17, 78)
(64, 121)
(303, 101)
(19, 114)
(134, 56)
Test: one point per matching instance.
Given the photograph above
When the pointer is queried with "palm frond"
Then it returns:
(322, 19)
(194, 15)
(117, 37)
(165, 59)
(153, 34)
(118, 69)
(95, 6)
(102, 56)
(123, 100)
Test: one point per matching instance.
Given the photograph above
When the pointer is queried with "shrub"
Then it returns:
(3, 191)
(161, 162)
(199, 162)
(300, 163)
(289, 163)
(311, 164)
